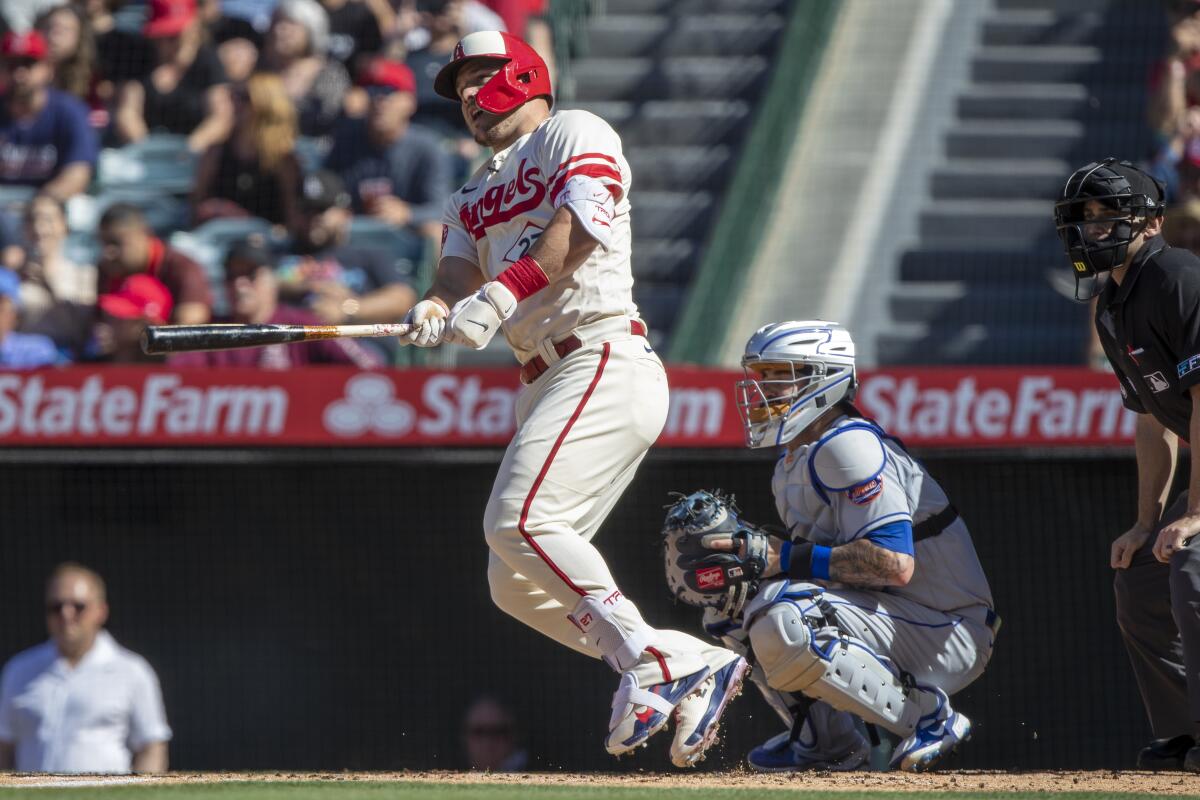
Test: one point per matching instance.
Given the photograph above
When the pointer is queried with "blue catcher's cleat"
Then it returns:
(698, 715)
(938, 734)
(782, 753)
(638, 714)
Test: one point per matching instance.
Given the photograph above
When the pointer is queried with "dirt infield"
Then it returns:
(1173, 783)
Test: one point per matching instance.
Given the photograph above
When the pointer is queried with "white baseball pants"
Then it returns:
(582, 429)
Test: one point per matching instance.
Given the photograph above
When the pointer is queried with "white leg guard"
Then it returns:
(802, 651)
(620, 646)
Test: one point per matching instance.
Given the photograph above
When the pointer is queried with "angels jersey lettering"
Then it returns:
(507, 203)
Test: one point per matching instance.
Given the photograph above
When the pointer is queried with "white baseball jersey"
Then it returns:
(503, 209)
(948, 575)
(91, 718)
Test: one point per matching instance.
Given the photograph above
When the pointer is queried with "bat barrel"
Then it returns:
(163, 339)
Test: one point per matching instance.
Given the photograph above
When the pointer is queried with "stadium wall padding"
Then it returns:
(327, 609)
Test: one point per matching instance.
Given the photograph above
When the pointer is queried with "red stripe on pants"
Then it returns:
(546, 468)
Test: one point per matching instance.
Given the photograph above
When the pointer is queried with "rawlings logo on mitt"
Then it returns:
(713, 558)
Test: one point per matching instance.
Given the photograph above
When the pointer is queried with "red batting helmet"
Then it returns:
(523, 77)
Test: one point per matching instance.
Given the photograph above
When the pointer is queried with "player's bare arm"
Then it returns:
(455, 279)
(1155, 448)
(1172, 538)
(563, 246)
(860, 563)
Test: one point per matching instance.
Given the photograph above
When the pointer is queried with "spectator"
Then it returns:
(446, 23)
(525, 18)
(58, 296)
(80, 702)
(120, 55)
(71, 50)
(354, 30)
(45, 138)
(139, 301)
(490, 738)
(339, 283)
(19, 350)
(238, 45)
(253, 291)
(185, 91)
(396, 172)
(255, 171)
(128, 247)
(295, 49)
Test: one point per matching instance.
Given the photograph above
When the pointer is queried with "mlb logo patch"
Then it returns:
(1158, 382)
(710, 578)
(865, 492)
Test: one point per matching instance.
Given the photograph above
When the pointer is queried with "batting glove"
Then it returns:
(475, 319)
(429, 317)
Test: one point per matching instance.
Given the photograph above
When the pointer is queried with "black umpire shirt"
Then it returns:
(1149, 326)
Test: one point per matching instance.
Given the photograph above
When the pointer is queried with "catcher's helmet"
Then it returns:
(794, 372)
(1099, 243)
(523, 77)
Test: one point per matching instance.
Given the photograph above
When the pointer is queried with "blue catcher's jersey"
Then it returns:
(856, 479)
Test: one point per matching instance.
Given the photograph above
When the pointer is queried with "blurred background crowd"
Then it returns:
(246, 160)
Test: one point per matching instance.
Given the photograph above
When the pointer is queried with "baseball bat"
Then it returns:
(161, 339)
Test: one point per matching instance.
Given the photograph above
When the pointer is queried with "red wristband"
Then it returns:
(524, 278)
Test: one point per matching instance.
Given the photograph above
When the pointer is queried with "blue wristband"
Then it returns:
(785, 556)
(820, 562)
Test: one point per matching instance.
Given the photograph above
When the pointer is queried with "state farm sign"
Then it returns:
(998, 406)
(337, 406)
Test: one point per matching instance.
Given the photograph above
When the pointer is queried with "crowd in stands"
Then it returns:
(181, 161)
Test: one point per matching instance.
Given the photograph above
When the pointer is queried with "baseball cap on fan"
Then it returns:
(323, 190)
(29, 46)
(384, 76)
(168, 18)
(139, 297)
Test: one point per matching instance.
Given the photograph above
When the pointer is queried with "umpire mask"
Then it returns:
(1103, 207)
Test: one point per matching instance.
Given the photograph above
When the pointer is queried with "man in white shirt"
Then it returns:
(80, 702)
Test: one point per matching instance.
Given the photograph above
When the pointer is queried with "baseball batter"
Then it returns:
(876, 604)
(537, 245)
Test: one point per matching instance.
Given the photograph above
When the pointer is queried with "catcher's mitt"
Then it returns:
(699, 574)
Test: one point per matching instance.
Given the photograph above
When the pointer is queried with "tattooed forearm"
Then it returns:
(863, 563)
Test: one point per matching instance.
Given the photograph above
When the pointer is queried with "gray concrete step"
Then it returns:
(678, 168)
(1059, 342)
(679, 122)
(1058, 64)
(1024, 101)
(1000, 178)
(1014, 139)
(965, 303)
(646, 79)
(664, 260)
(685, 8)
(982, 267)
(1016, 220)
(672, 215)
(713, 35)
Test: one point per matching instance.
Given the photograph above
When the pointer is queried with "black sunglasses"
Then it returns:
(57, 608)
(16, 62)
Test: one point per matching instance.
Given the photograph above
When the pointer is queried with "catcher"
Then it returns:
(874, 605)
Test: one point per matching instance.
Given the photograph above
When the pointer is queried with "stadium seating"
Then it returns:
(678, 79)
(1048, 92)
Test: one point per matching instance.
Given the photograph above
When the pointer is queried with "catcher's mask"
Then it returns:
(1102, 209)
(794, 372)
(699, 575)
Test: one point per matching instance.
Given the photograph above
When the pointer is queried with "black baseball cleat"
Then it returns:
(1169, 754)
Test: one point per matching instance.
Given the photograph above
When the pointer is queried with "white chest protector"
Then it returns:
(854, 480)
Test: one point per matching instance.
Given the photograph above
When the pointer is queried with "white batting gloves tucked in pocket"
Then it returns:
(475, 319)
(430, 318)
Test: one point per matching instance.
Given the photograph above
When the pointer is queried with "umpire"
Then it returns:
(1110, 219)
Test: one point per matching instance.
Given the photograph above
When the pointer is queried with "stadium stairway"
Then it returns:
(1053, 84)
(678, 79)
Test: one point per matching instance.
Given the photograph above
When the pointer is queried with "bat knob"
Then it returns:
(150, 341)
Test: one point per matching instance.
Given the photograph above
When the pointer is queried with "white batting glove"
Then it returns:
(475, 319)
(430, 318)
